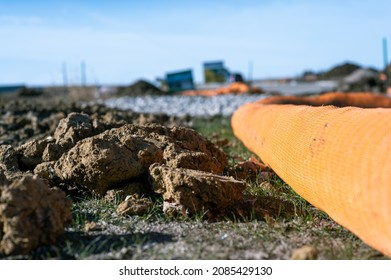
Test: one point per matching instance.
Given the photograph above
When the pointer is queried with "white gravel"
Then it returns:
(196, 106)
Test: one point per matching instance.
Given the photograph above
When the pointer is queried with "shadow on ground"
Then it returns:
(80, 245)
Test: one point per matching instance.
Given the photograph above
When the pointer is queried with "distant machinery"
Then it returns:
(215, 72)
(181, 80)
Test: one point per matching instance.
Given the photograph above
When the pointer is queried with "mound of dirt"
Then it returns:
(96, 155)
(99, 163)
(339, 71)
(139, 88)
(124, 154)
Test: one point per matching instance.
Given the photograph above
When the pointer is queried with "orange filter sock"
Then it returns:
(338, 159)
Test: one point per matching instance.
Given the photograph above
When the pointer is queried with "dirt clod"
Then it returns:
(107, 159)
(31, 214)
(195, 191)
(8, 158)
(30, 153)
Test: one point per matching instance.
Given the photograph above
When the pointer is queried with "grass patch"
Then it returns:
(219, 131)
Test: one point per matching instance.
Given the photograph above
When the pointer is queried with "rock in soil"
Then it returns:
(31, 214)
(193, 191)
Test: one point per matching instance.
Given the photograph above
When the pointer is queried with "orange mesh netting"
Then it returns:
(233, 88)
(359, 99)
(338, 159)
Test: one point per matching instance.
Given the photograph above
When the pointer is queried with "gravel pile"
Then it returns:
(195, 106)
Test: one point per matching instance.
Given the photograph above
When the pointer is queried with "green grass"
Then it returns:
(219, 129)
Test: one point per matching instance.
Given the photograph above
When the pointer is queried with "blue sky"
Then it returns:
(123, 41)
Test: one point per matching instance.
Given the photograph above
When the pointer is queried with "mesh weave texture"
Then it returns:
(338, 159)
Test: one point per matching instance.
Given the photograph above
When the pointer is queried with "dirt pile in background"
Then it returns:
(139, 88)
(339, 71)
